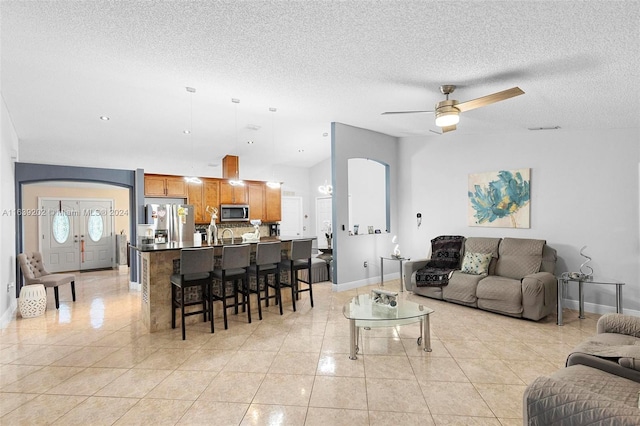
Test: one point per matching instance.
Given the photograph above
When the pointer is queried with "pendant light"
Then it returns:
(193, 178)
(237, 181)
(273, 183)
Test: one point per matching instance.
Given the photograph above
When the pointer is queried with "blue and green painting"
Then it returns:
(500, 199)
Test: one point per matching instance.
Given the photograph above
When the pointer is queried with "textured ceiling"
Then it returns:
(64, 64)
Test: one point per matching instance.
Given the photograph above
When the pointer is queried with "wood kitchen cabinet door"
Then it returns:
(273, 204)
(165, 186)
(211, 197)
(256, 200)
(230, 194)
(176, 186)
(194, 198)
(154, 186)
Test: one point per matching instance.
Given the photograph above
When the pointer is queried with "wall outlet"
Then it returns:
(366, 263)
(10, 286)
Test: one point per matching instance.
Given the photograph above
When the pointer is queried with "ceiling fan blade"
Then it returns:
(489, 99)
(446, 129)
(403, 112)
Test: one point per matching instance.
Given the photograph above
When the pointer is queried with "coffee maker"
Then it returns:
(274, 230)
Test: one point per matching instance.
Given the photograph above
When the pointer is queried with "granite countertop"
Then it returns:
(224, 242)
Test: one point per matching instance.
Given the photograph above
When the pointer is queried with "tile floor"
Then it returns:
(93, 362)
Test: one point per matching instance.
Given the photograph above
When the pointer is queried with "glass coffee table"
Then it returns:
(362, 311)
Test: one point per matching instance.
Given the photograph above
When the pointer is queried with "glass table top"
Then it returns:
(362, 307)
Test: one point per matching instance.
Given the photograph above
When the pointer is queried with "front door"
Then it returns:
(76, 234)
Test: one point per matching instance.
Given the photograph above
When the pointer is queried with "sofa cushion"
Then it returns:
(462, 288)
(484, 245)
(519, 257)
(476, 263)
(496, 293)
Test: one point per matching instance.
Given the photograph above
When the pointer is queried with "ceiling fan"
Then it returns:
(447, 111)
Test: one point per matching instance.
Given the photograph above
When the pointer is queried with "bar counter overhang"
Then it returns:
(159, 261)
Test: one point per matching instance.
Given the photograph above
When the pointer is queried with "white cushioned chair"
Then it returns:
(34, 272)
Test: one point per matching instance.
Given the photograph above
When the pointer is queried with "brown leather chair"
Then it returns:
(34, 272)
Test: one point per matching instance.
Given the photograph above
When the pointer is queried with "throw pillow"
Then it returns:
(476, 263)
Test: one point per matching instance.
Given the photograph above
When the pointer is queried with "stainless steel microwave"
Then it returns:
(234, 213)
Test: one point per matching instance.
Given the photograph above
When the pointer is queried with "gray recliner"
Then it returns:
(34, 272)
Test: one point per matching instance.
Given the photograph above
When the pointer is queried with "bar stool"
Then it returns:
(235, 266)
(268, 257)
(196, 269)
(298, 258)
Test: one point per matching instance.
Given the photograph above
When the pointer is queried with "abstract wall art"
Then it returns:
(500, 199)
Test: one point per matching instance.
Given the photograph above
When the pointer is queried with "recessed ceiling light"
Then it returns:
(235, 100)
(273, 109)
(250, 142)
(301, 150)
(104, 118)
(325, 134)
(253, 127)
(186, 131)
(190, 89)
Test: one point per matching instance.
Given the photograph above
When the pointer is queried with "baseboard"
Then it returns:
(595, 308)
(9, 313)
(367, 281)
(135, 286)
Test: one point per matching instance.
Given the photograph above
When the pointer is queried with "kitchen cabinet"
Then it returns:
(202, 195)
(255, 192)
(232, 194)
(272, 204)
(165, 186)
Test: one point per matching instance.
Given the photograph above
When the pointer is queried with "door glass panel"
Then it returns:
(96, 226)
(60, 227)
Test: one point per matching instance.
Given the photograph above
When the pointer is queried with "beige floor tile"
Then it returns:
(165, 359)
(10, 373)
(386, 418)
(295, 363)
(460, 349)
(330, 392)
(87, 382)
(134, 383)
(285, 389)
(395, 395)
(259, 415)
(97, 410)
(488, 371)
(225, 340)
(512, 350)
(85, 357)
(301, 343)
(208, 412)
(11, 401)
(446, 420)
(528, 371)
(45, 355)
(504, 400)
(207, 360)
(510, 422)
(250, 361)
(412, 349)
(186, 385)
(42, 380)
(437, 370)
(233, 387)
(454, 398)
(270, 343)
(387, 367)
(339, 364)
(381, 346)
(44, 409)
(155, 412)
(126, 357)
(335, 344)
(317, 416)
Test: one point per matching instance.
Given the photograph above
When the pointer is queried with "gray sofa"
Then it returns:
(520, 281)
(600, 385)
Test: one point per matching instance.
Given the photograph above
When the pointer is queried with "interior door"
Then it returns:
(291, 223)
(59, 237)
(76, 235)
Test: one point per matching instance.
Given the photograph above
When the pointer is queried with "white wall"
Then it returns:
(350, 252)
(8, 150)
(584, 191)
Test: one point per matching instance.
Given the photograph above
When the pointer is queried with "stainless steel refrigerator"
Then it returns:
(171, 222)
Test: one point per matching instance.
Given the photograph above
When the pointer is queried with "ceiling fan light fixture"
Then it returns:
(447, 115)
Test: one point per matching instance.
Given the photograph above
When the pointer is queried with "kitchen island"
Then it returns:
(159, 261)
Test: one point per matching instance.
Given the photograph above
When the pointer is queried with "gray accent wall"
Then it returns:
(350, 252)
